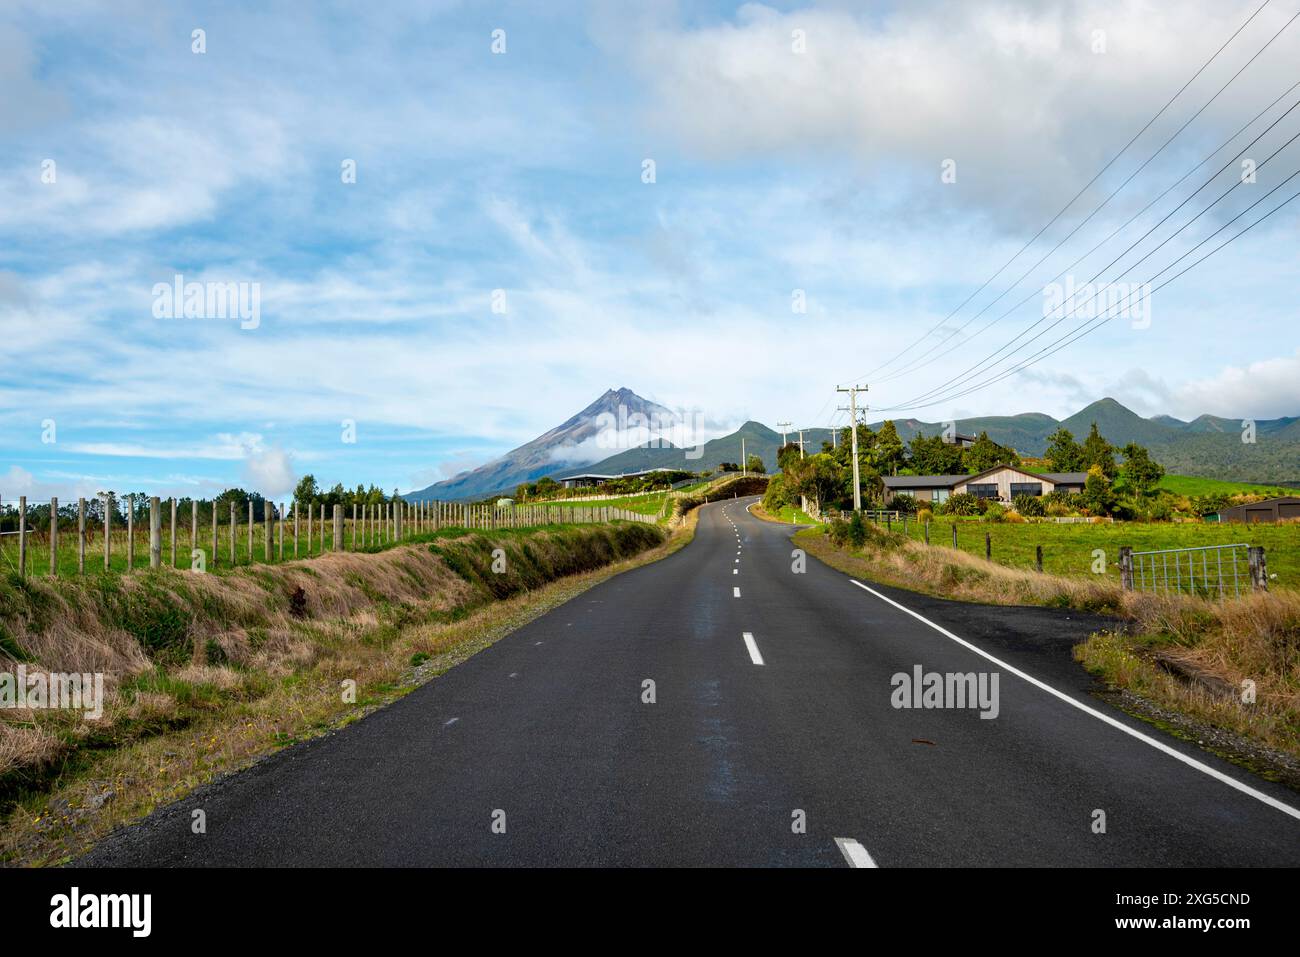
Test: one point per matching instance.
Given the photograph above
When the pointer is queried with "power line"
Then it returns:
(1113, 233)
(921, 364)
(973, 370)
(1076, 196)
(1096, 323)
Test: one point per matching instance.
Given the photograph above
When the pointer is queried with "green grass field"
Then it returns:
(1067, 549)
(1194, 485)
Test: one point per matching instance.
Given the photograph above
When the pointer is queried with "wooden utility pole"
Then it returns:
(853, 391)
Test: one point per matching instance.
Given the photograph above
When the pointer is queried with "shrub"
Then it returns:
(995, 512)
(925, 515)
(964, 503)
(905, 504)
(1031, 506)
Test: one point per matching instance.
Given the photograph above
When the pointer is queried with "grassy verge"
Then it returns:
(207, 673)
(1183, 661)
(789, 515)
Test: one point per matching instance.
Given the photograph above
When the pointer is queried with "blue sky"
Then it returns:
(521, 171)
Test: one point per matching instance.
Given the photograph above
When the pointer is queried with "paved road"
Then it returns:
(549, 726)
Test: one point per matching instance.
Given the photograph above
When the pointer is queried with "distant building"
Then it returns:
(1270, 510)
(505, 503)
(963, 440)
(590, 479)
(1001, 483)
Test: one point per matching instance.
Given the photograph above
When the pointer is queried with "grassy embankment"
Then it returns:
(205, 673)
(1189, 656)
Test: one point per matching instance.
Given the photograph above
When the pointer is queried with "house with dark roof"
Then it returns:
(1001, 483)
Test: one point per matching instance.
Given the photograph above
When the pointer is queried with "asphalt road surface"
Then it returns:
(773, 739)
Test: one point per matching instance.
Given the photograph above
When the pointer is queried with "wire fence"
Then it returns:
(70, 540)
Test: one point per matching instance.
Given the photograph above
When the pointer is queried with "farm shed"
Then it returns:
(1270, 510)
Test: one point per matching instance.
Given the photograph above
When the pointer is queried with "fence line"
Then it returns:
(371, 525)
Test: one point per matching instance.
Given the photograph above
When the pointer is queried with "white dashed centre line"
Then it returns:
(735, 592)
(854, 852)
(754, 656)
(735, 571)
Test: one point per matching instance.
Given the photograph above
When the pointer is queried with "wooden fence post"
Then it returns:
(173, 531)
(1258, 568)
(988, 546)
(927, 533)
(268, 530)
(310, 510)
(338, 528)
(234, 522)
(81, 536)
(22, 536)
(354, 526)
(1126, 567)
(194, 527)
(250, 531)
(954, 534)
(216, 544)
(108, 529)
(54, 537)
(155, 531)
(279, 533)
(1038, 558)
(322, 528)
(295, 528)
(130, 532)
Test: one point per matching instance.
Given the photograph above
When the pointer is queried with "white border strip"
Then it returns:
(753, 649)
(854, 852)
(1147, 739)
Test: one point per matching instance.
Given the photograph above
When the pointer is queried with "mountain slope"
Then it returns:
(562, 449)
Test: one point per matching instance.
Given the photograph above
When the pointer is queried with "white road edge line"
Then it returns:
(735, 592)
(854, 852)
(753, 649)
(1146, 739)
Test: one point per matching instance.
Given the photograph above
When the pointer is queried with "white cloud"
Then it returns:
(1266, 389)
(270, 471)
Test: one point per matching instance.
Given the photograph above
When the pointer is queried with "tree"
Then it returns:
(1098, 496)
(818, 477)
(755, 464)
(1063, 452)
(306, 492)
(984, 454)
(1097, 451)
(1140, 473)
(787, 453)
(889, 449)
(933, 456)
